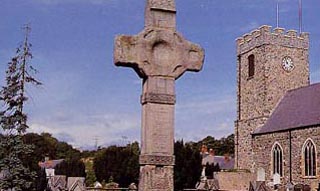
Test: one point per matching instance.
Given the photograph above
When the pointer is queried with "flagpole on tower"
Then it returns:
(277, 13)
(300, 16)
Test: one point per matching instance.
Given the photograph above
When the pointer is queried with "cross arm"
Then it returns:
(127, 53)
(191, 59)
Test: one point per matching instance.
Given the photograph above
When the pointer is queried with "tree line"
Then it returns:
(119, 164)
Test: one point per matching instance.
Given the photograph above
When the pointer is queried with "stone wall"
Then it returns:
(257, 96)
(234, 180)
(264, 35)
(243, 149)
(262, 148)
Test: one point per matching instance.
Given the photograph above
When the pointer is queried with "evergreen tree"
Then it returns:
(187, 169)
(13, 121)
(120, 163)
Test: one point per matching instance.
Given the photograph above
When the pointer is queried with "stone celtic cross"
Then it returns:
(159, 55)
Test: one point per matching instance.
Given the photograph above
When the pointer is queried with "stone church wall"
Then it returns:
(262, 146)
(258, 95)
(243, 143)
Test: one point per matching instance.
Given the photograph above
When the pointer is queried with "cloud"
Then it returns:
(81, 131)
(205, 115)
(208, 105)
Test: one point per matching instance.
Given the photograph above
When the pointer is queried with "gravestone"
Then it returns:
(298, 187)
(261, 175)
(302, 187)
(289, 186)
(159, 55)
(276, 179)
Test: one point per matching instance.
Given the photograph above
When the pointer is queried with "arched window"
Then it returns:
(309, 158)
(251, 66)
(277, 159)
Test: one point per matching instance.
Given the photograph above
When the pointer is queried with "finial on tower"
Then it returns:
(160, 14)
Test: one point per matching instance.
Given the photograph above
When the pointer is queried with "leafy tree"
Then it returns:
(71, 168)
(90, 175)
(221, 147)
(13, 121)
(46, 145)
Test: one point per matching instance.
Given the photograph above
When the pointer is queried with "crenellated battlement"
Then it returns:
(263, 35)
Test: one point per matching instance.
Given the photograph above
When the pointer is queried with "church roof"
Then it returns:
(299, 108)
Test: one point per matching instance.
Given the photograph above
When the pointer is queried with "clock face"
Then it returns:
(287, 64)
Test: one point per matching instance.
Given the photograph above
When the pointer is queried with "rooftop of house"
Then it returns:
(299, 108)
(47, 164)
(225, 162)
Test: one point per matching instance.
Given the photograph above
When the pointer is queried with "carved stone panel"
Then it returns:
(158, 52)
(153, 178)
(156, 160)
(158, 98)
(157, 129)
(163, 4)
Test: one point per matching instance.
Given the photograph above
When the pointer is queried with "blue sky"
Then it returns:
(85, 96)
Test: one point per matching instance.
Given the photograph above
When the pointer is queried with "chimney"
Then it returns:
(211, 152)
(226, 157)
(204, 149)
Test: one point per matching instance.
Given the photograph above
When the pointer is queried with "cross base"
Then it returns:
(156, 178)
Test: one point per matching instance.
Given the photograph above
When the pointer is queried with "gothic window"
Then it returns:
(277, 159)
(251, 66)
(309, 158)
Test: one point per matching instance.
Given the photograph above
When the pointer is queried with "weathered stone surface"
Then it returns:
(163, 4)
(261, 175)
(159, 55)
(234, 180)
(156, 160)
(158, 52)
(159, 90)
(264, 35)
(263, 154)
(257, 96)
(156, 178)
(160, 14)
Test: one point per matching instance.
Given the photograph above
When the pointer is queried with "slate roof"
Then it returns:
(299, 108)
(50, 163)
(225, 162)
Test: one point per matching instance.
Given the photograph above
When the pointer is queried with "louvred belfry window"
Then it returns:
(251, 66)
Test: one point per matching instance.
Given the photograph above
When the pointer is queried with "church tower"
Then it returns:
(269, 63)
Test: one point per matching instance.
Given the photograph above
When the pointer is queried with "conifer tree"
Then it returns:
(16, 174)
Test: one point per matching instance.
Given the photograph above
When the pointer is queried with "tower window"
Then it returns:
(309, 158)
(251, 66)
(277, 159)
